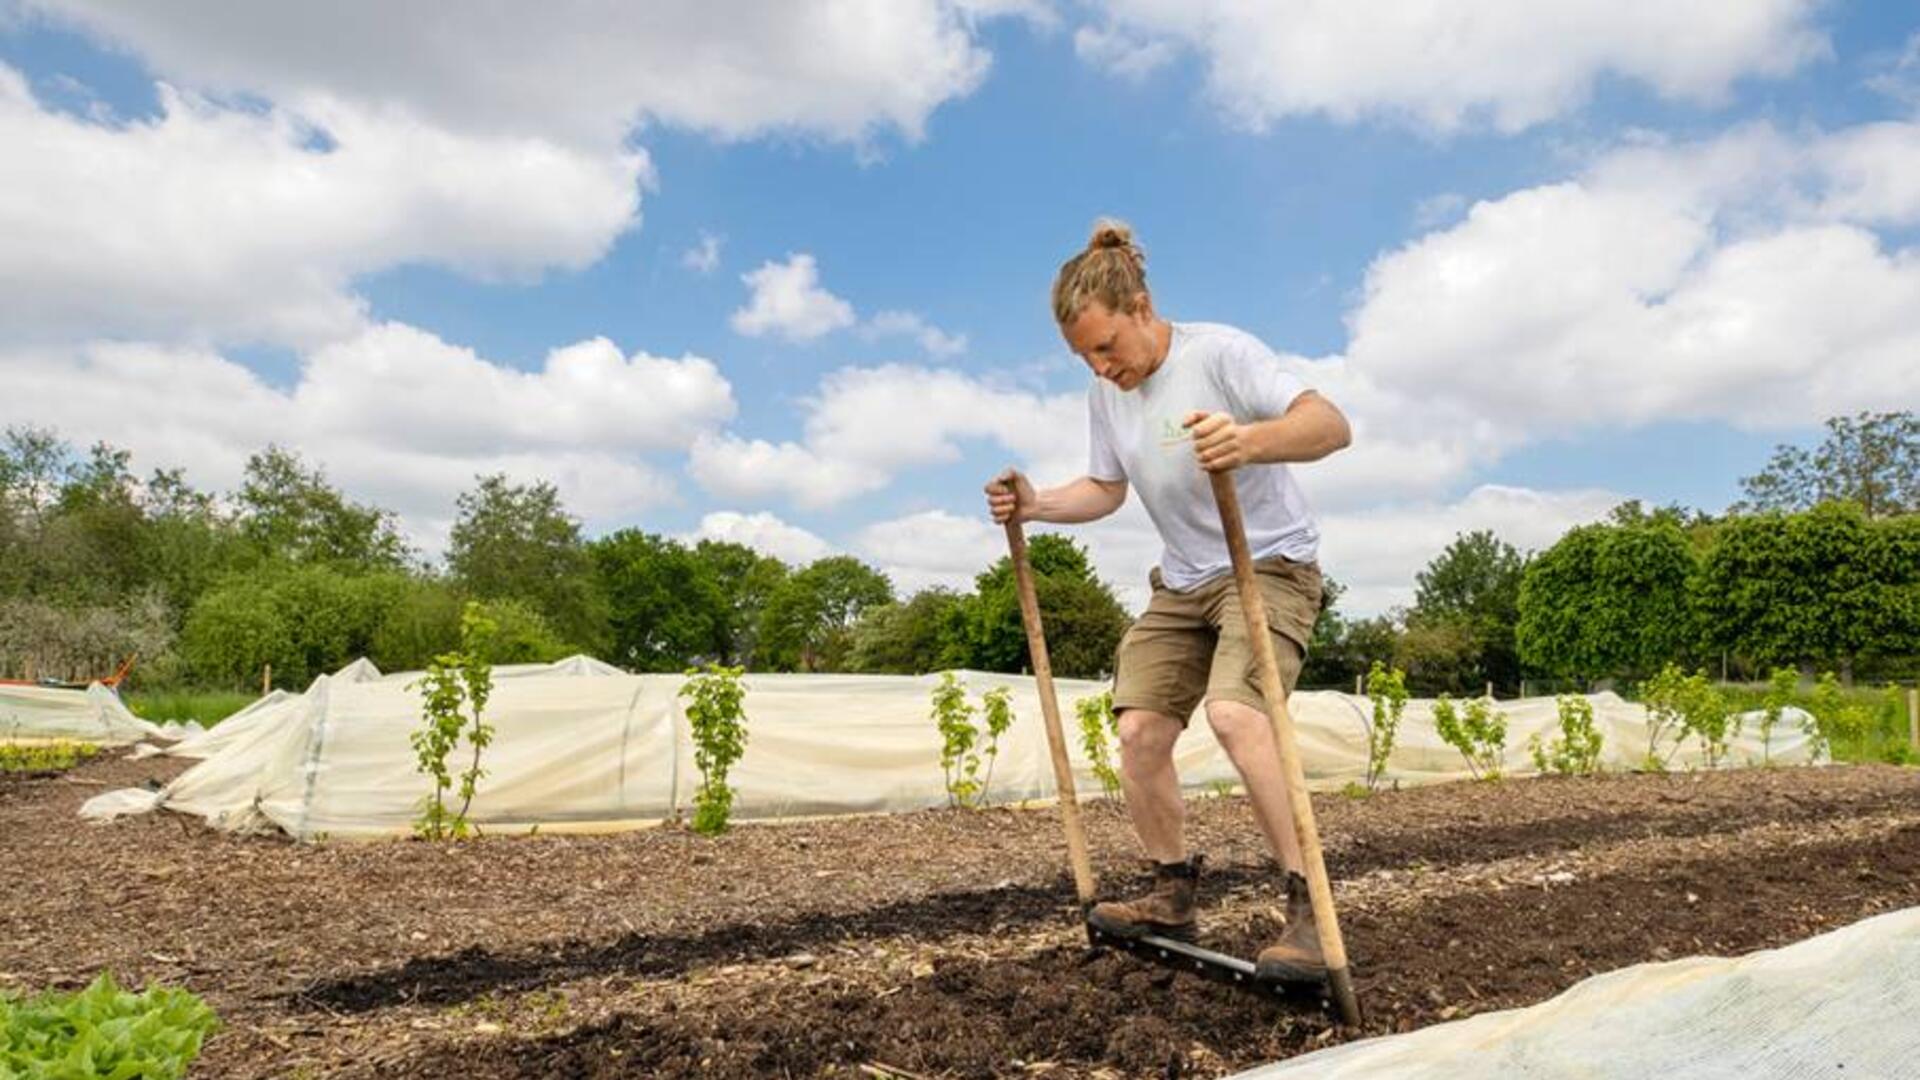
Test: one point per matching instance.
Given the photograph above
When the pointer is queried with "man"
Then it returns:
(1172, 402)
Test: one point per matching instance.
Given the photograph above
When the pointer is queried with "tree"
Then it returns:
(808, 620)
(665, 611)
(1872, 459)
(516, 542)
(747, 580)
(1820, 587)
(1083, 620)
(289, 512)
(924, 634)
(1607, 599)
(1465, 607)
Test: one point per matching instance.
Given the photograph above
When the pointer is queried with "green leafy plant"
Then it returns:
(1839, 719)
(102, 1031)
(455, 690)
(1781, 685)
(1097, 725)
(1575, 751)
(717, 714)
(1480, 735)
(962, 746)
(1681, 705)
(1388, 691)
(953, 715)
(44, 757)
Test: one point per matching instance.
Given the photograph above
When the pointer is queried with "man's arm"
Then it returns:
(1310, 429)
(1085, 499)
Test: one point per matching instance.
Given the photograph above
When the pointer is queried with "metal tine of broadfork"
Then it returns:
(1319, 890)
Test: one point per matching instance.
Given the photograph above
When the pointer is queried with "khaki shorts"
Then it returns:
(1190, 647)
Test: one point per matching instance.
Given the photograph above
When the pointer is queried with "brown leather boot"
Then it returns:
(1167, 910)
(1296, 957)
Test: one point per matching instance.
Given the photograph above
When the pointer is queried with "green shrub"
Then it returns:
(1575, 751)
(718, 717)
(1681, 705)
(455, 689)
(1480, 736)
(102, 1031)
(1097, 724)
(1781, 685)
(1388, 691)
(961, 745)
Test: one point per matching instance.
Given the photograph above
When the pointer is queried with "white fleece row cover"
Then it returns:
(271, 709)
(43, 714)
(1841, 1005)
(603, 752)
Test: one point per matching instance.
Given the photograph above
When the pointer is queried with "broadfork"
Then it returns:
(1168, 952)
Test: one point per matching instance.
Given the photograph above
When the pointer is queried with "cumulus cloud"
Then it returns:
(576, 71)
(932, 548)
(1375, 553)
(1121, 52)
(764, 533)
(1441, 67)
(866, 425)
(1736, 280)
(704, 257)
(212, 223)
(396, 415)
(788, 301)
(933, 341)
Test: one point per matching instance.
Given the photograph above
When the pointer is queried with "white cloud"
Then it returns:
(935, 342)
(395, 415)
(1376, 552)
(703, 258)
(1121, 52)
(764, 533)
(866, 425)
(576, 71)
(788, 301)
(211, 223)
(1440, 67)
(755, 469)
(932, 548)
(1736, 280)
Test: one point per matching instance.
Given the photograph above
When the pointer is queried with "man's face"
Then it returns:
(1120, 348)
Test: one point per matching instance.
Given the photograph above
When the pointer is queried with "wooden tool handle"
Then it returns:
(1254, 607)
(1050, 709)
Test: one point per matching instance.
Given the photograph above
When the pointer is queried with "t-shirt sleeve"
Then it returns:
(1255, 379)
(1103, 458)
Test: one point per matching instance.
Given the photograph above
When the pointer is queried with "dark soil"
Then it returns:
(930, 944)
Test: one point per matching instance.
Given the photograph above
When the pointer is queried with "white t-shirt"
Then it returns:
(1137, 437)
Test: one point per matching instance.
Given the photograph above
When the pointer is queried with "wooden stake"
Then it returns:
(1254, 608)
(1083, 883)
(266, 680)
(1913, 719)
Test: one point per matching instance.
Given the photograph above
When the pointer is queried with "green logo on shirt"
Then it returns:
(1171, 433)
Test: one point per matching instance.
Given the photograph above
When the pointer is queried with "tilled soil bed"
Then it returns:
(942, 943)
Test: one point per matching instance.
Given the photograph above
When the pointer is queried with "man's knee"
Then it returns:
(1235, 722)
(1146, 737)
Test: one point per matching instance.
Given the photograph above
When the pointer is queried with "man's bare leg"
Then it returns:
(1247, 736)
(1151, 786)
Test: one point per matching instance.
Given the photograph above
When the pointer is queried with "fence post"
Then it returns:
(266, 680)
(1913, 719)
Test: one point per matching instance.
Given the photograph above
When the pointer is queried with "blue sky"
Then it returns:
(1547, 256)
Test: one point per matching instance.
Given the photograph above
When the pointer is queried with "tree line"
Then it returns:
(1818, 566)
(288, 574)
